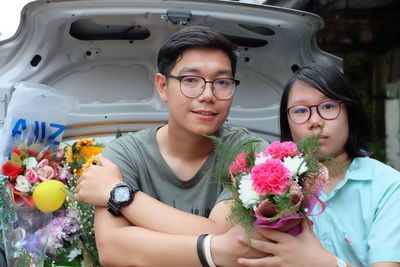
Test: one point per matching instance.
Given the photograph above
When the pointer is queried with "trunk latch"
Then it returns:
(179, 16)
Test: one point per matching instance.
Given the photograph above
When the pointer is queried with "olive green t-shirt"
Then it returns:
(140, 162)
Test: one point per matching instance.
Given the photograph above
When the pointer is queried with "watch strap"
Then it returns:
(113, 208)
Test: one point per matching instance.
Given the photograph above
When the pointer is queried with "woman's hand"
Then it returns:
(95, 184)
(287, 250)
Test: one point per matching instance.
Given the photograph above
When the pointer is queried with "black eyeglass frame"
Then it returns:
(316, 107)
(180, 78)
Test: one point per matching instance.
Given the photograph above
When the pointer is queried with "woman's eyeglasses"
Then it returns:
(328, 110)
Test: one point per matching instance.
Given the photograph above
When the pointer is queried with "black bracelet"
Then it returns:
(200, 251)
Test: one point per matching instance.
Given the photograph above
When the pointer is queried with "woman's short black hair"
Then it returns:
(193, 37)
(331, 82)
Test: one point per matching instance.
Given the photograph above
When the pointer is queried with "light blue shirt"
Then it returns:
(361, 223)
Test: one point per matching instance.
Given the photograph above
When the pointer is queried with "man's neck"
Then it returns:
(183, 144)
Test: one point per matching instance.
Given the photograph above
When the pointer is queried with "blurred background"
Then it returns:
(365, 33)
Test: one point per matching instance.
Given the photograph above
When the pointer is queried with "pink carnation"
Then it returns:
(281, 150)
(240, 164)
(271, 176)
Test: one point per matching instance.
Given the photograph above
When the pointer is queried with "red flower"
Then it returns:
(31, 152)
(16, 151)
(46, 155)
(17, 196)
(281, 150)
(11, 171)
(240, 164)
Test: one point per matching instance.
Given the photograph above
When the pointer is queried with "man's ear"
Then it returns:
(161, 86)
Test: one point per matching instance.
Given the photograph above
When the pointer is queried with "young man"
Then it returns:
(169, 169)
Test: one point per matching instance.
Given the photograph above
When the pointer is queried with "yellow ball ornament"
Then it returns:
(49, 195)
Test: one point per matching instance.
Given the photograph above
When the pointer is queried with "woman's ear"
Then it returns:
(161, 86)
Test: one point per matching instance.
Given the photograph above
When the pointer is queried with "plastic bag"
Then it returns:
(19, 223)
(37, 113)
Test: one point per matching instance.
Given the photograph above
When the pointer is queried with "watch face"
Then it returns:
(121, 194)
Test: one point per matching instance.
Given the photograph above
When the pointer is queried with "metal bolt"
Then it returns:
(1, 122)
(2, 99)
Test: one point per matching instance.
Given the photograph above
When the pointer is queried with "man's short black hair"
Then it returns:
(193, 37)
(331, 82)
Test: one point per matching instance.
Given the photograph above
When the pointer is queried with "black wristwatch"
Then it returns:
(120, 196)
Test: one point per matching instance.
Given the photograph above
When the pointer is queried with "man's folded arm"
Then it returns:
(121, 244)
(151, 214)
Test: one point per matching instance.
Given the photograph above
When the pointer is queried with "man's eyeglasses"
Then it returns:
(193, 86)
(328, 110)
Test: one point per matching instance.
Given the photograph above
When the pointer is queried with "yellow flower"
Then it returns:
(84, 142)
(89, 151)
(68, 154)
(79, 172)
(90, 162)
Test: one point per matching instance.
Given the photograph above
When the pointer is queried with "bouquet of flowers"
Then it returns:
(71, 240)
(35, 184)
(278, 187)
(33, 173)
(78, 156)
(47, 226)
(35, 179)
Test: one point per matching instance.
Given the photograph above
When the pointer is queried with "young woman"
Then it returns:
(361, 223)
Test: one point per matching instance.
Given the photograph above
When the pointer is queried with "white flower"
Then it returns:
(23, 184)
(74, 253)
(30, 162)
(260, 158)
(247, 195)
(295, 165)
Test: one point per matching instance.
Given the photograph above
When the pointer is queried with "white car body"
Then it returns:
(104, 52)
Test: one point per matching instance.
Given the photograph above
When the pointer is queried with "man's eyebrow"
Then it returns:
(225, 72)
(193, 70)
(188, 69)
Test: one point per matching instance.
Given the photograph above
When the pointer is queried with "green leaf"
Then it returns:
(81, 160)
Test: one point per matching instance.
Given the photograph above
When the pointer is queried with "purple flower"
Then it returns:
(32, 243)
(63, 174)
(62, 229)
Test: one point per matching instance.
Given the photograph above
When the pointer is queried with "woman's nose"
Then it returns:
(315, 119)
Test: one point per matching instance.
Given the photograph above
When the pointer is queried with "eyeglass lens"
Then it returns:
(327, 110)
(193, 86)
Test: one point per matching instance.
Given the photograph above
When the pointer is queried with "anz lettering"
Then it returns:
(41, 129)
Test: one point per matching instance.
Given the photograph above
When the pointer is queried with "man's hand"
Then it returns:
(288, 250)
(226, 250)
(95, 184)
